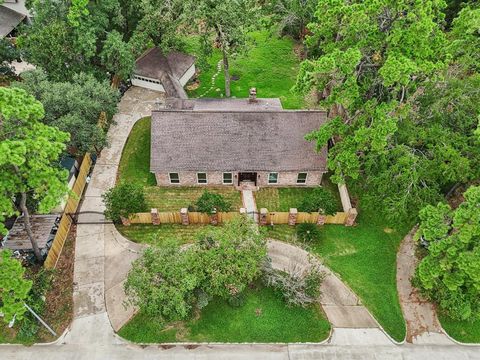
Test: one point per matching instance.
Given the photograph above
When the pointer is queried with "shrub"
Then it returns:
(308, 233)
(123, 200)
(298, 287)
(210, 202)
(319, 200)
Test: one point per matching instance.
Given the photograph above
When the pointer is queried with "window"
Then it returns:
(174, 178)
(201, 178)
(302, 178)
(273, 178)
(227, 178)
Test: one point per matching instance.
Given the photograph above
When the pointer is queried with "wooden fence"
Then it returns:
(174, 217)
(278, 218)
(70, 208)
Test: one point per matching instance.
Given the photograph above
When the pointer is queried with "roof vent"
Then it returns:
(252, 95)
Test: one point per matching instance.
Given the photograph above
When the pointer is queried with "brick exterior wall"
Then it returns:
(285, 178)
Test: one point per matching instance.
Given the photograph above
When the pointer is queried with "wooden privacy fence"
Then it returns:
(178, 217)
(70, 208)
(278, 218)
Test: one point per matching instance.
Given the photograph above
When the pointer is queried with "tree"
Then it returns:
(319, 200)
(8, 53)
(292, 16)
(29, 151)
(117, 55)
(123, 200)
(161, 282)
(14, 288)
(74, 106)
(374, 66)
(226, 22)
(210, 203)
(450, 273)
(230, 257)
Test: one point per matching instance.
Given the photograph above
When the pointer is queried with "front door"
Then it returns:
(247, 176)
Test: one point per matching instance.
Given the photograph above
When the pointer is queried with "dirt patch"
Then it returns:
(299, 50)
(58, 311)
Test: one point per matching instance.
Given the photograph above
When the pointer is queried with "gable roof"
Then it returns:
(188, 140)
(166, 68)
(9, 20)
(237, 104)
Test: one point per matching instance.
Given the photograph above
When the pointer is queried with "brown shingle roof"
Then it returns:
(168, 69)
(185, 140)
(243, 104)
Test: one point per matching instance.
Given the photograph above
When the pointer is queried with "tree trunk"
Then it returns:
(227, 73)
(28, 227)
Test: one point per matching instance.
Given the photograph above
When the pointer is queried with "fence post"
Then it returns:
(155, 217)
(351, 216)
(292, 216)
(243, 211)
(322, 219)
(184, 216)
(214, 218)
(263, 216)
(125, 221)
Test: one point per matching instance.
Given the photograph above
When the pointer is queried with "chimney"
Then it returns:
(252, 95)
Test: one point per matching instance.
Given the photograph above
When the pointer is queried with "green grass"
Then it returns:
(175, 198)
(263, 318)
(365, 258)
(270, 64)
(156, 235)
(463, 331)
(135, 162)
(135, 167)
(282, 199)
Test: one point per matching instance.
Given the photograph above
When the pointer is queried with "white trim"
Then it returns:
(268, 178)
(146, 82)
(306, 177)
(223, 178)
(187, 75)
(206, 178)
(170, 178)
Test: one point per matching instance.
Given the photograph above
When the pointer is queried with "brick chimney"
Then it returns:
(252, 95)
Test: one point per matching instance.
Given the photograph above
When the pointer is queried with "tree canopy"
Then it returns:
(29, 155)
(383, 70)
(73, 106)
(450, 273)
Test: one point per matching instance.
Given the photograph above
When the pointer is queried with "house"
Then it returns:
(12, 14)
(233, 141)
(166, 73)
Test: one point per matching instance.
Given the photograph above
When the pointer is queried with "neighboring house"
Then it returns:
(12, 14)
(231, 141)
(166, 73)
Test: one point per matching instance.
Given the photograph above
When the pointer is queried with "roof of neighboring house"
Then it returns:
(9, 20)
(261, 104)
(166, 68)
(235, 140)
(17, 238)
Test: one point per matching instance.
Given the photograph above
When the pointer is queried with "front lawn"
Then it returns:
(270, 65)
(463, 331)
(135, 167)
(263, 318)
(156, 235)
(282, 199)
(365, 258)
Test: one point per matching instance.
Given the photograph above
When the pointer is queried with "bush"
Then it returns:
(319, 200)
(210, 202)
(308, 233)
(298, 288)
(123, 200)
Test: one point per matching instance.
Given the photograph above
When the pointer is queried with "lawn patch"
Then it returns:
(270, 65)
(463, 331)
(263, 318)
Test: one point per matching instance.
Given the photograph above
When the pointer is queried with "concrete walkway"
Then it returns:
(423, 326)
(100, 260)
(249, 204)
(352, 323)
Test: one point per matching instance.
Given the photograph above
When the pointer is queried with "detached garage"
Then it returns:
(166, 73)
